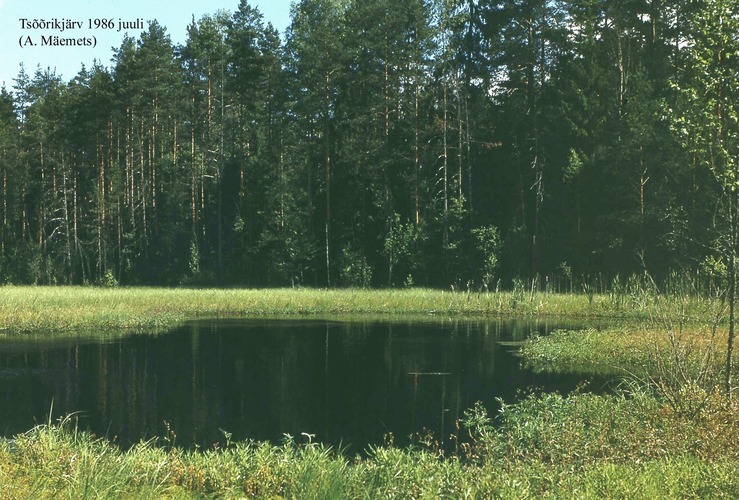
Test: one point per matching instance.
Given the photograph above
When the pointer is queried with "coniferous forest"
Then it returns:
(384, 143)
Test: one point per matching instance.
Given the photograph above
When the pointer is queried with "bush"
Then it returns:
(487, 244)
(355, 270)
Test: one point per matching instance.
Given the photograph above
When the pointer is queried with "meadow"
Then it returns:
(63, 308)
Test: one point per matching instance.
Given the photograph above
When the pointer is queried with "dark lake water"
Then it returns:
(347, 383)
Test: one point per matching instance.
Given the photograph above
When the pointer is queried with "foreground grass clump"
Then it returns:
(585, 446)
(79, 308)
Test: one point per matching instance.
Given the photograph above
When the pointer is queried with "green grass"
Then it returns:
(546, 446)
(619, 351)
(629, 351)
(86, 308)
(675, 334)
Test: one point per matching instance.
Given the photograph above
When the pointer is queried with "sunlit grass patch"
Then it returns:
(616, 351)
(79, 308)
(683, 477)
(640, 350)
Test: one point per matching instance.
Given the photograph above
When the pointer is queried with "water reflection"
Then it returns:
(347, 383)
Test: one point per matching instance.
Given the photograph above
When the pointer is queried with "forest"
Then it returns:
(379, 143)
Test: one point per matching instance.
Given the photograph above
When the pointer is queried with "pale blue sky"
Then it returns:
(175, 15)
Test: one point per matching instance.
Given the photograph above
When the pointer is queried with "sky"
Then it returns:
(22, 42)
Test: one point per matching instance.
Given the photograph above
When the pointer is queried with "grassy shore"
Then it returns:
(87, 308)
(546, 446)
(631, 350)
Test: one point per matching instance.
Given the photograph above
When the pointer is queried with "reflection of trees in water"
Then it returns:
(344, 382)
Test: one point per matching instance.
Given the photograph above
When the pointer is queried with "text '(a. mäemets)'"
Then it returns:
(57, 41)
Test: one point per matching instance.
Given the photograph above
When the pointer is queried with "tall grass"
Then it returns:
(619, 350)
(677, 352)
(80, 308)
(584, 446)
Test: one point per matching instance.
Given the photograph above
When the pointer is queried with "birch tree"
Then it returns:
(706, 117)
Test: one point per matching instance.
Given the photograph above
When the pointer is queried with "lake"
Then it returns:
(345, 383)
